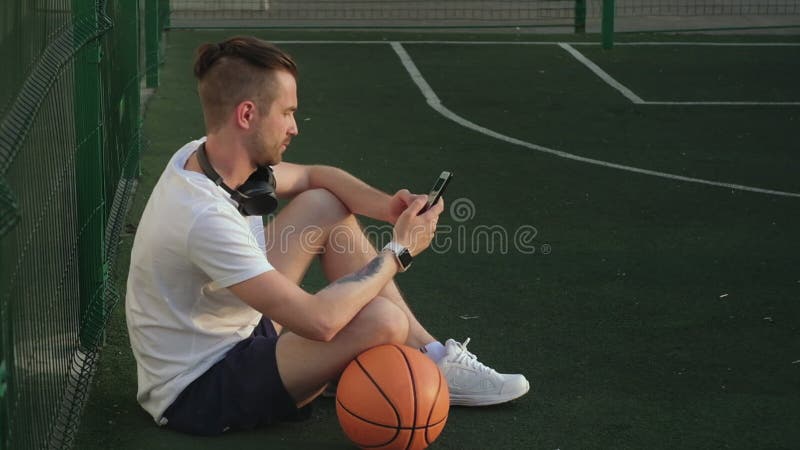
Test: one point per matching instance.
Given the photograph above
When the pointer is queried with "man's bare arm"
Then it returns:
(359, 197)
(322, 315)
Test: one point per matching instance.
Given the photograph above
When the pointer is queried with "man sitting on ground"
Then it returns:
(223, 334)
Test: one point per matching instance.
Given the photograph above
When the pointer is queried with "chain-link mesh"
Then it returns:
(370, 13)
(470, 14)
(699, 8)
(69, 147)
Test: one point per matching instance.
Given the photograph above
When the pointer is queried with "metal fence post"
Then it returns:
(609, 11)
(3, 388)
(89, 173)
(128, 26)
(134, 96)
(164, 12)
(152, 30)
(580, 16)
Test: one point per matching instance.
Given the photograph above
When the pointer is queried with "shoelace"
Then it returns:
(467, 358)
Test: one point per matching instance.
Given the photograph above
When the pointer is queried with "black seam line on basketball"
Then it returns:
(435, 399)
(413, 390)
(382, 425)
(386, 397)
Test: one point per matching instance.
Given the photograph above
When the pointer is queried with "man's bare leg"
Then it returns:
(306, 366)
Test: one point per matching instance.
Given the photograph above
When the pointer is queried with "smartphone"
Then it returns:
(437, 190)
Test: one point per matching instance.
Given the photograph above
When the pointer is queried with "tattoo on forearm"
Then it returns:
(367, 271)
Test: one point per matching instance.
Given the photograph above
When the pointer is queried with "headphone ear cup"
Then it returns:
(269, 175)
(261, 205)
(258, 193)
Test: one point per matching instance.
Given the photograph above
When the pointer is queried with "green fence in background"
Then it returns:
(601, 16)
(656, 16)
(645, 14)
(371, 13)
(69, 148)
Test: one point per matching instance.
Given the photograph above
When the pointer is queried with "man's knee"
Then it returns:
(323, 203)
(382, 322)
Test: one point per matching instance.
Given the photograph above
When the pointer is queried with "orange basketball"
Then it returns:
(392, 397)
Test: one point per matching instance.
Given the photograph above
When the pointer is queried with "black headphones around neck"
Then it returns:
(256, 197)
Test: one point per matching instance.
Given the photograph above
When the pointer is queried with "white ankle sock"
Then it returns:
(434, 350)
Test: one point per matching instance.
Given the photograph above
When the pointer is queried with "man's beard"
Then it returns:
(260, 151)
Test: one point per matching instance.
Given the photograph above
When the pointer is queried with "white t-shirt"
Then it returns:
(191, 244)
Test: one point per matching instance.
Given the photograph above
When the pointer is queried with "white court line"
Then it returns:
(629, 94)
(594, 67)
(724, 103)
(435, 103)
(706, 44)
(678, 43)
(329, 42)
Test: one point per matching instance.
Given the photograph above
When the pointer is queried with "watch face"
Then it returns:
(405, 258)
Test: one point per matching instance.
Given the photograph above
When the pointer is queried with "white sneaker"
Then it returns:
(473, 384)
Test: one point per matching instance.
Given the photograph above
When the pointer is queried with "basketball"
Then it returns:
(392, 397)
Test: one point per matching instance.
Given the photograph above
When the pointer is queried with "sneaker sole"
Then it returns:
(479, 400)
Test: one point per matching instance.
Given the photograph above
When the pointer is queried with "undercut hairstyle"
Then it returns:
(237, 69)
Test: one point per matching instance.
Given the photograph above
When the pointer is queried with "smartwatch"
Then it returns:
(401, 254)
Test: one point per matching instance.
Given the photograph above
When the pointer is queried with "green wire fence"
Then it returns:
(598, 16)
(69, 150)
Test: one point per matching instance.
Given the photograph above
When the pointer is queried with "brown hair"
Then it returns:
(237, 69)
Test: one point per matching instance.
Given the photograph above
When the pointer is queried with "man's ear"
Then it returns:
(245, 114)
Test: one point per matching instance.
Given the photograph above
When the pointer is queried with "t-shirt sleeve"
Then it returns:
(223, 246)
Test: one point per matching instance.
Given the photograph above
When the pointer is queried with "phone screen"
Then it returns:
(438, 189)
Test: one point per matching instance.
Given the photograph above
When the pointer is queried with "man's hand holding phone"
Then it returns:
(402, 199)
(438, 189)
(415, 230)
(399, 202)
(415, 225)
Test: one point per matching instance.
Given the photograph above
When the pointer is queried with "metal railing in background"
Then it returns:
(371, 13)
(656, 16)
(69, 151)
(601, 16)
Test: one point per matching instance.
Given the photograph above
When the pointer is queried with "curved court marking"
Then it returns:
(435, 103)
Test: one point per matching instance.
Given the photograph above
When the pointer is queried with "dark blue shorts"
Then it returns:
(241, 392)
